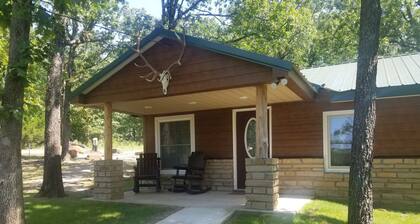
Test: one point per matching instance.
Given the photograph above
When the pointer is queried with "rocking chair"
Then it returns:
(192, 180)
(147, 169)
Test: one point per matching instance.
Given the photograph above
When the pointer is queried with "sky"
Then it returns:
(153, 7)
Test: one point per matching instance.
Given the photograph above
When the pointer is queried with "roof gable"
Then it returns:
(158, 34)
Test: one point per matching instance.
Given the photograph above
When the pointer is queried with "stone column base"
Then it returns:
(262, 183)
(108, 180)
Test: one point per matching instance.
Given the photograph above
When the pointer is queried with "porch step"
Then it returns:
(198, 216)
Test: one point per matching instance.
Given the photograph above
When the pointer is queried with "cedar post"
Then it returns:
(108, 130)
(262, 128)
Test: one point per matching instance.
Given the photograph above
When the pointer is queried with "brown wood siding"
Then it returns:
(213, 131)
(200, 71)
(149, 134)
(297, 129)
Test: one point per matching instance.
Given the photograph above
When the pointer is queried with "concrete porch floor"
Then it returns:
(211, 199)
(212, 207)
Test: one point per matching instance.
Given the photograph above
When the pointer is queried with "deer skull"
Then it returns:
(164, 78)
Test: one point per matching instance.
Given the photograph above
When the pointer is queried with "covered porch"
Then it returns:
(218, 103)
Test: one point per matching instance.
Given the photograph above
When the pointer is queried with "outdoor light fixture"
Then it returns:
(192, 103)
(279, 82)
(243, 97)
(147, 107)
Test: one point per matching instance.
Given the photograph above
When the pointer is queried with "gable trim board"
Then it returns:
(381, 93)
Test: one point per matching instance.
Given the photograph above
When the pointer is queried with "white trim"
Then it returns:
(121, 65)
(234, 145)
(184, 117)
(326, 141)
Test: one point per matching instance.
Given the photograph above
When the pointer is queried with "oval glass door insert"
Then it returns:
(250, 139)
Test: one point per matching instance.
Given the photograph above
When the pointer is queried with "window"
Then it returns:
(250, 138)
(174, 140)
(338, 130)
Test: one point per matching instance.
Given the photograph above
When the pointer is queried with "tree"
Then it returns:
(11, 110)
(52, 184)
(282, 29)
(79, 31)
(360, 209)
(173, 11)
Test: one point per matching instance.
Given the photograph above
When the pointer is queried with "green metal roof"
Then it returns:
(396, 76)
(190, 41)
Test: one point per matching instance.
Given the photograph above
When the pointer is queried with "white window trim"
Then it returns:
(326, 141)
(184, 117)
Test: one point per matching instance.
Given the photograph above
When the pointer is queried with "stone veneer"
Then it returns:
(262, 182)
(219, 174)
(108, 179)
(394, 180)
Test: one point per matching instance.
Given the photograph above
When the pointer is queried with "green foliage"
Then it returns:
(126, 127)
(323, 211)
(4, 48)
(87, 123)
(5, 13)
(400, 27)
(283, 29)
(33, 116)
(336, 40)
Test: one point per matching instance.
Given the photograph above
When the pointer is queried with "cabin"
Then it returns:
(265, 127)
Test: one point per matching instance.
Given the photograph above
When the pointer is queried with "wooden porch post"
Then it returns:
(108, 130)
(262, 127)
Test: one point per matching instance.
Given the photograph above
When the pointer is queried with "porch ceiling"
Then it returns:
(230, 98)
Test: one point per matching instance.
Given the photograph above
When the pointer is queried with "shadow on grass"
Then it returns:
(74, 210)
(395, 207)
(305, 219)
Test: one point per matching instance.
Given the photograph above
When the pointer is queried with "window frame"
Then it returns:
(163, 119)
(245, 136)
(326, 140)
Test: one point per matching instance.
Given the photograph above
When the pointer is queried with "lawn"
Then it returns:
(71, 210)
(327, 212)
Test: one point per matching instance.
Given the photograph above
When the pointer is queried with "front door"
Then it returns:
(245, 142)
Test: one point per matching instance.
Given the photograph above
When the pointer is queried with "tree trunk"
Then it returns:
(65, 122)
(360, 209)
(52, 185)
(11, 198)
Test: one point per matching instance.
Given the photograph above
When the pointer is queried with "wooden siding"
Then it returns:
(297, 129)
(213, 133)
(200, 71)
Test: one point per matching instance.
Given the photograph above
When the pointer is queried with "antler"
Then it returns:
(154, 73)
(181, 55)
(165, 75)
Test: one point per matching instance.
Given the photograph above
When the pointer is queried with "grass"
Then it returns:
(327, 212)
(122, 146)
(72, 210)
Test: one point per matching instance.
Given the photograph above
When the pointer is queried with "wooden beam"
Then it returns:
(295, 83)
(108, 131)
(262, 120)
